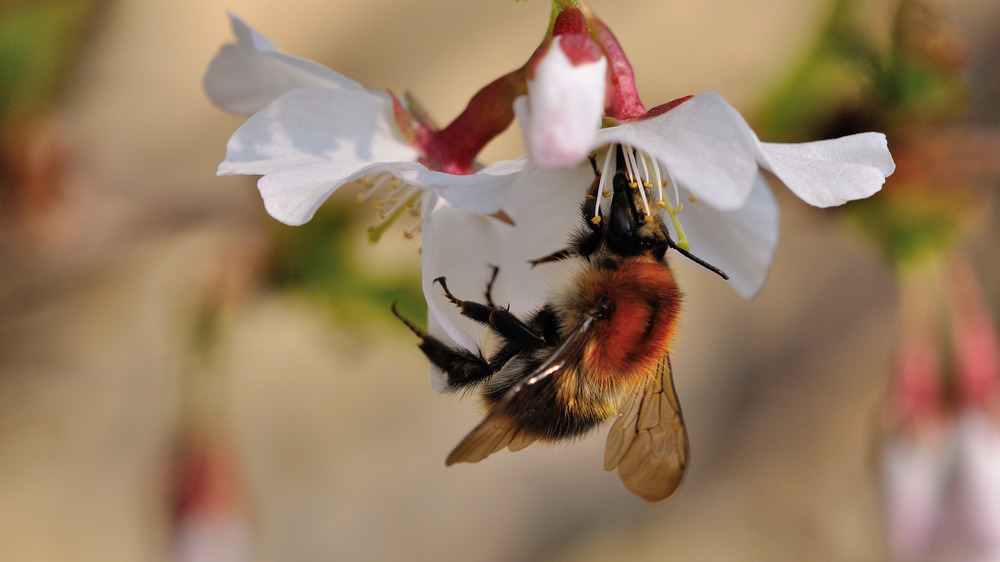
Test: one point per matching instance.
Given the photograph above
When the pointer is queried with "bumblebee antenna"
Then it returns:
(695, 259)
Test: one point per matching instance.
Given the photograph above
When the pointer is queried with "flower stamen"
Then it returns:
(682, 240)
(409, 233)
(397, 210)
(677, 195)
(374, 185)
(646, 177)
(602, 189)
(632, 169)
(659, 181)
(392, 197)
(647, 180)
(399, 201)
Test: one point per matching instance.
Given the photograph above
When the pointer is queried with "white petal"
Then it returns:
(309, 142)
(561, 114)
(248, 37)
(740, 242)
(464, 247)
(484, 192)
(545, 208)
(705, 143)
(449, 239)
(831, 172)
(247, 75)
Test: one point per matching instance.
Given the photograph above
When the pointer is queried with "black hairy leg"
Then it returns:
(501, 320)
(489, 285)
(464, 368)
(461, 366)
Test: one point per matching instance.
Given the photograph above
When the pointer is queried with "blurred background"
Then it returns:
(179, 372)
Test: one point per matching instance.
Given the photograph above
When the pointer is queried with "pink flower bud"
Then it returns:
(977, 474)
(914, 484)
(562, 112)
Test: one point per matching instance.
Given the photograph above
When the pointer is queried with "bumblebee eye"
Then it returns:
(622, 226)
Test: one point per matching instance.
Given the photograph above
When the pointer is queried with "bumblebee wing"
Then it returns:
(648, 443)
(503, 426)
(491, 435)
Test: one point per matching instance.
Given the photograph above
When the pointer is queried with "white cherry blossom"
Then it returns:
(701, 156)
(314, 130)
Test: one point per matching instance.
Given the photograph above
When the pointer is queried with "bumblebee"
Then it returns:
(599, 351)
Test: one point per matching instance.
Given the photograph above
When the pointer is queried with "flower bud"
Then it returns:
(562, 112)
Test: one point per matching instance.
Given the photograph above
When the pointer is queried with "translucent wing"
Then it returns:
(503, 426)
(648, 443)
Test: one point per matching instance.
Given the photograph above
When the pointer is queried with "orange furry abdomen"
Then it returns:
(641, 301)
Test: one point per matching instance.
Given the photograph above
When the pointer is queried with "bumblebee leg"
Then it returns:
(461, 366)
(584, 243)
(554, 256)
(503, 321)
(470, 309)
(489, 285)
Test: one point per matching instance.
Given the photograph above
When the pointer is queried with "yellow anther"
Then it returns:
(692, 198)
(661, 204)
(606, 193)
(647, 185)
(647, 219)
(679, 207)
(633, 184)
(664, 183)
(590, 197)
(596, 220)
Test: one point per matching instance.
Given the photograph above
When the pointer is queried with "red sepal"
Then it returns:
(661, 109)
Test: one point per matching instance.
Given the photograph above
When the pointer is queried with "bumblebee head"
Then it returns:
(633, 228)
(631, 232)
